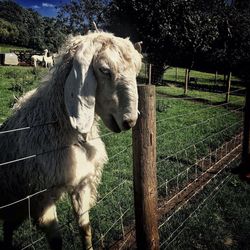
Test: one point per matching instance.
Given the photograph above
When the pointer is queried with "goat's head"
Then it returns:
(103, 80)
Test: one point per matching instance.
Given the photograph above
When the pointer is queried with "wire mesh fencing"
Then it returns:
(199, 138)
(111, 213)
(196, 147)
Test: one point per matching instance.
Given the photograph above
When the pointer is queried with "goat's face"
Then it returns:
(115, 68)
(103, 80)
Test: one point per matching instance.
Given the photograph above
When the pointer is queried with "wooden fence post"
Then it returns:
(246, 138)
(244, 168)
(150, 74)
(228, 86)
(144, 170)
(186, 81)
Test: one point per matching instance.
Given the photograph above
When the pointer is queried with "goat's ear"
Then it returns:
(138, 46)
(80, 89)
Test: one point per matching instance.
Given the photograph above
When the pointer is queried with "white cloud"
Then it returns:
(48, 5)
(35, 7)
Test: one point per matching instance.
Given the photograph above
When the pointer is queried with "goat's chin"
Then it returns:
(111, 124)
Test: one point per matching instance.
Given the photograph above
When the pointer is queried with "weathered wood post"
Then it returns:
(243, 170)
(246, 139)
(228, 86)
(144, 170)
(150, 74)
(186, 81)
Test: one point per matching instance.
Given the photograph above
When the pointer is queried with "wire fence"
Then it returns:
(109, 213)
(198, 139)
(192, 160)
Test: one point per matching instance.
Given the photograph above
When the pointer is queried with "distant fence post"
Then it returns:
(186, 81)
(150, 74)
(246, 138)
(144, 170)
(176, 74)
(228, 86)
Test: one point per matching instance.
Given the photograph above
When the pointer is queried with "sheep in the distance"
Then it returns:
(96, 77)
(38, 58)
(48, 60)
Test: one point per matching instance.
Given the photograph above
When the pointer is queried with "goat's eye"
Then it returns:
(105, 71)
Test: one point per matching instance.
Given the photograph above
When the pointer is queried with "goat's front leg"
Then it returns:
(48, 223)
(81, 204)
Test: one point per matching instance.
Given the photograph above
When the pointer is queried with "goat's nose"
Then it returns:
(127, 124)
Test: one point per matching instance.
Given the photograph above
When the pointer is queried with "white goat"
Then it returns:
(96, 76)
(38, 58)
(48, 60)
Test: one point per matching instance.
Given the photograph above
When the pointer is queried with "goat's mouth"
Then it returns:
(113, 125)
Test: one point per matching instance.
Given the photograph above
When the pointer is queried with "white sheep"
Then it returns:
(48, 60)
(96, 76)
(38, 58)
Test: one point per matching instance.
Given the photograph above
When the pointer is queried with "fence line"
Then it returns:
(195, 165)
(201, 141)
(62, 148)
(198, 98)
(203, 174)
(44, 124)
(23, 199)
(196, 124)
(114, 224)
(216, 190)
(27, 128)
(196, 111)
(113, 190)
(198, 191)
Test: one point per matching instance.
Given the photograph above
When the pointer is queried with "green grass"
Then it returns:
(5, 48)
(202, 77)
(205, 123)
(222, 222)
(178, 76)
(173, 91)
(15, 81)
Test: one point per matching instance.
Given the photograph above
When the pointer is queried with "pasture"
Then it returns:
(188, 129)
(6, 48)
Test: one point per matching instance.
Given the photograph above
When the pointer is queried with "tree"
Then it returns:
(78, 15)
(53, 34)
(28, 28)
(8, 32)
(173, 31)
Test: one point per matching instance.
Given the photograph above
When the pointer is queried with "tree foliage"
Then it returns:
(8, 31)
(188, 33)
(28, 28)
(78, 15)
(209, 34)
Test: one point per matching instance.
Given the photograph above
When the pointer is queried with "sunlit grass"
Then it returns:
(180, 122)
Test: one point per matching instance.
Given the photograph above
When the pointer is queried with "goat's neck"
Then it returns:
(94, 131)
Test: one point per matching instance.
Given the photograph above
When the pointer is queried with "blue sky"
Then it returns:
(47, 7)
(43, 7)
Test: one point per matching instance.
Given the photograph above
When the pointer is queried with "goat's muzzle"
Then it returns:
(128, 124)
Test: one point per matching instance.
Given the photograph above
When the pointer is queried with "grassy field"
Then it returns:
(5, 48)
(207, 97)
(201, 120)
(177, 75)
(15, 81)
(202, 77)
